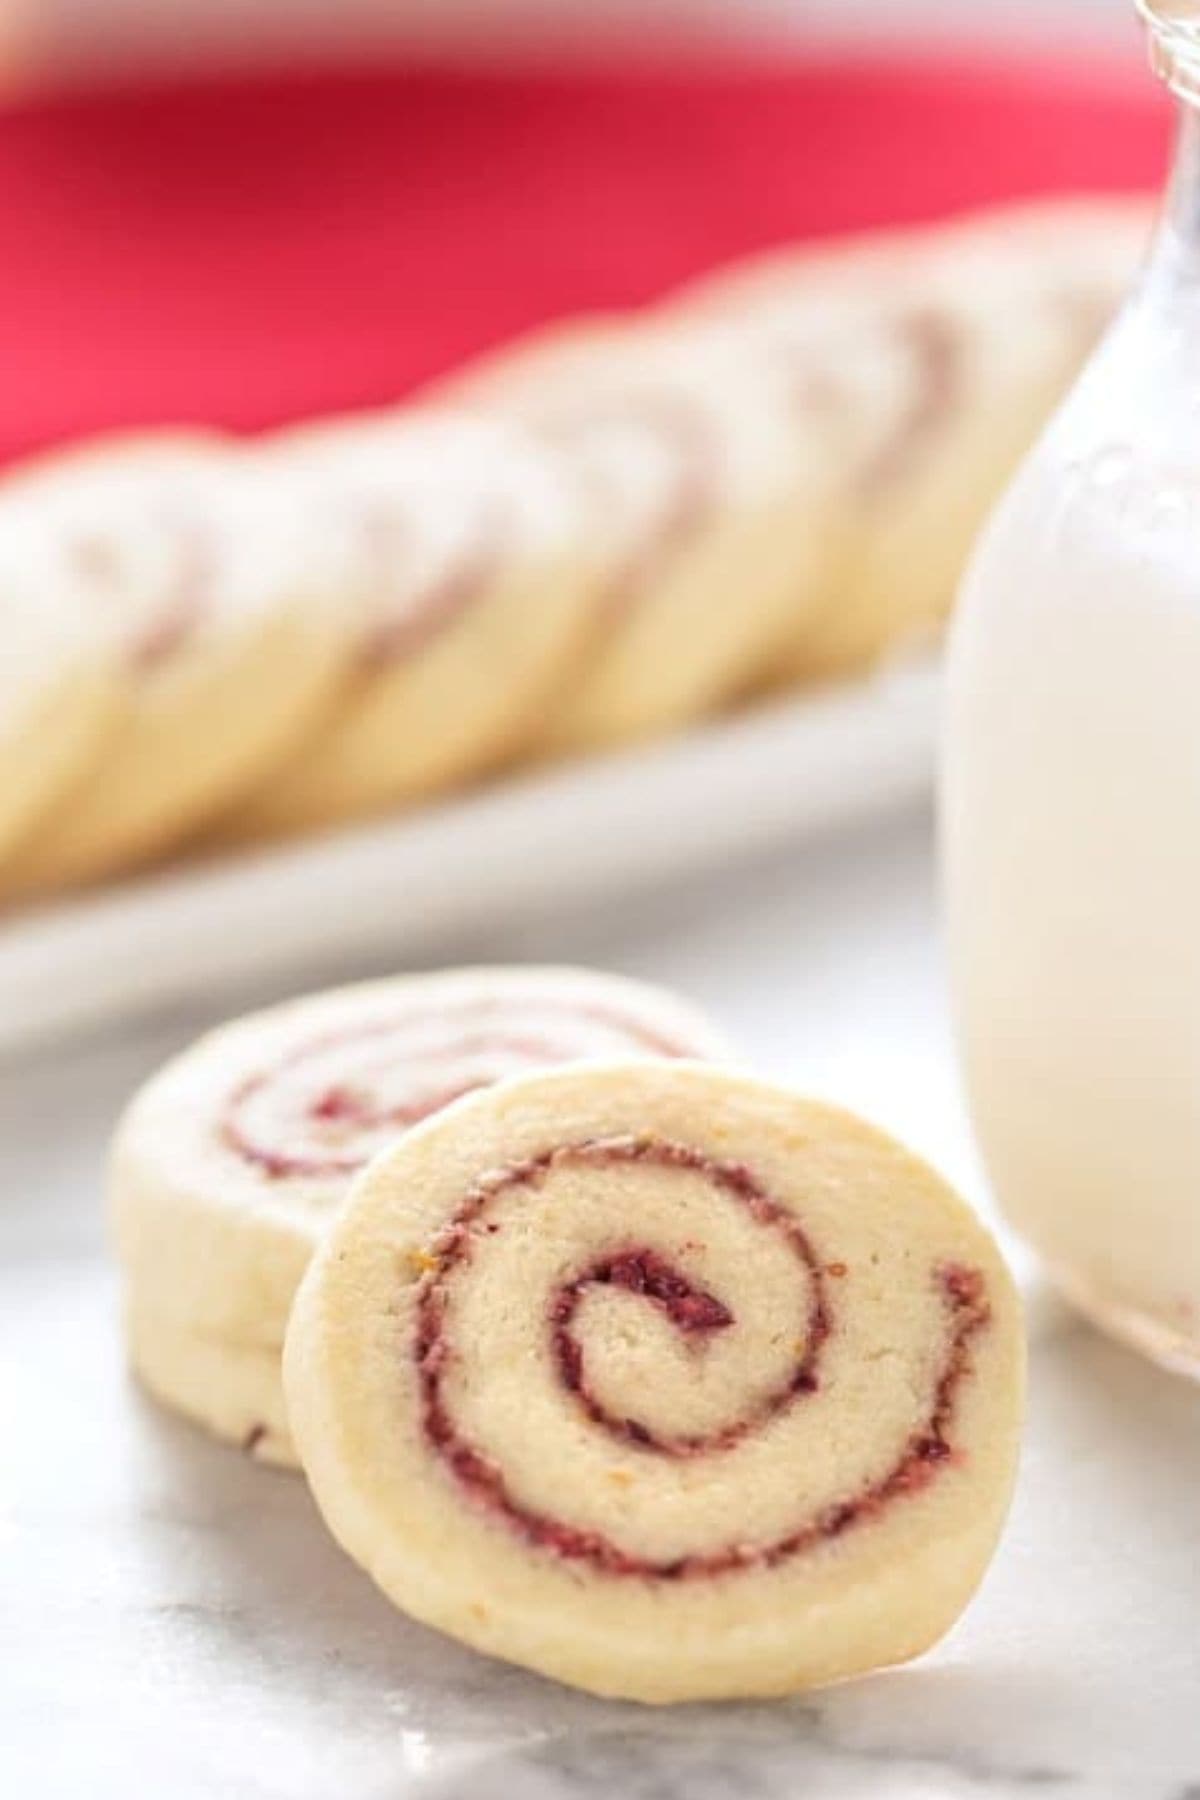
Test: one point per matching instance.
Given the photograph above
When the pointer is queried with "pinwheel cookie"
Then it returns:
(220, 607)
(59, 691)
(229, 1165)
(924, 421)
(972, 394)
(473, 594)
(705, 490)
(1010, 307)
(661, 1382)
(932, 357)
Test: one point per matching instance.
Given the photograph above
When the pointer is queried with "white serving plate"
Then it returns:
(584, 831)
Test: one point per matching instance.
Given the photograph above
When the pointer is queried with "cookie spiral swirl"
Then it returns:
(331, 1101)
(413, 608)
(672, 435)
(231, 1162)
(694, 1311)
(660, 1381)
(175, 605)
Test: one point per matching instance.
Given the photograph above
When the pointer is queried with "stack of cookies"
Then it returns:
(603, 533)
(598, 1356)
(230, 1164)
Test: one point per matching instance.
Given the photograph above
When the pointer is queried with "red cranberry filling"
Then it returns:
(936, 347)
(685, 433)
(179, 609)
(432, 606)
(477, 1030)
(644, 1271)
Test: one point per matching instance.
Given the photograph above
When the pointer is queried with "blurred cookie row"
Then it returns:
(599, 534)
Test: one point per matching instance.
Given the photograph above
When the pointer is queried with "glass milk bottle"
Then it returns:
(1071, 804)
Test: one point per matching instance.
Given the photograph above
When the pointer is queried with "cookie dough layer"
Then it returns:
(661, 1382)
(933, 356)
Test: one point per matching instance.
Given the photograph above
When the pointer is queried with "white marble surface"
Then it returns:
(174, 1621)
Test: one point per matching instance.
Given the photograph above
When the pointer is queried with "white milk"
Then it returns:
(1071, 818)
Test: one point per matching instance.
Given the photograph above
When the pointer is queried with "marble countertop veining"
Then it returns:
(174, 1620)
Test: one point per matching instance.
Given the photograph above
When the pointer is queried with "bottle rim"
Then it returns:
(1174, 30)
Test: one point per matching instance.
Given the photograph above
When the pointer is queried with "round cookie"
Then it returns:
(218, 601)
(852, 332)
(934, 355)
(1019, 298)
(59, 693)
(706, 489)
(229, 1164)
(662, 1382)
(473, 591)
(977, 392)
(931, 406)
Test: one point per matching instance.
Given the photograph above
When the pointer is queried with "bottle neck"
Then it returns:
(1182, 212)
(1174, 265)
(1174, 42)
(1174, 28)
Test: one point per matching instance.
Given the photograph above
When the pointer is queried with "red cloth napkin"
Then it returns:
(255, 251)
